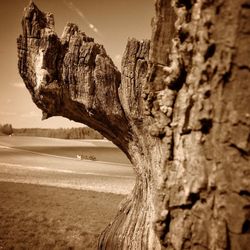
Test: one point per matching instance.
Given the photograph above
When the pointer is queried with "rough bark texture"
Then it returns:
(179, 110)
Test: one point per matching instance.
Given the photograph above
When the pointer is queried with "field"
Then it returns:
(40, 217)
(100, 150)
(62, 210)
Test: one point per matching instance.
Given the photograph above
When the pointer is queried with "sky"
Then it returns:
(109, 22)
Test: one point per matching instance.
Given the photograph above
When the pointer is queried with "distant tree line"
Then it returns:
(61, 133)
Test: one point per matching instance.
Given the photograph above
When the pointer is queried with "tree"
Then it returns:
(7, 129)
(179, 110)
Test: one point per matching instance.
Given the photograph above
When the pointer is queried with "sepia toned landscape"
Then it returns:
(157, 156)
(43, 217)
(50, 199)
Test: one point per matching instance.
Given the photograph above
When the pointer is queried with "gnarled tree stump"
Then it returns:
(179, 109)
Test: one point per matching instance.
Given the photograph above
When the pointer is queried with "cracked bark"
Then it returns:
(179, 110)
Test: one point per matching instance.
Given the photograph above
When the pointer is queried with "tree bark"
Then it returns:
(179, 110)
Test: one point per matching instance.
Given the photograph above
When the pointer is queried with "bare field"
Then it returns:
(32, 167)
(100, 150)
(40, 217)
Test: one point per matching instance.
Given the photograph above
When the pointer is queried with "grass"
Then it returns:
(41, 217)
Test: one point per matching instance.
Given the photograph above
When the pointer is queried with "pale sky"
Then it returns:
(110, 22)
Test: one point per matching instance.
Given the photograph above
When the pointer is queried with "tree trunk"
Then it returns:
(179, 110)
